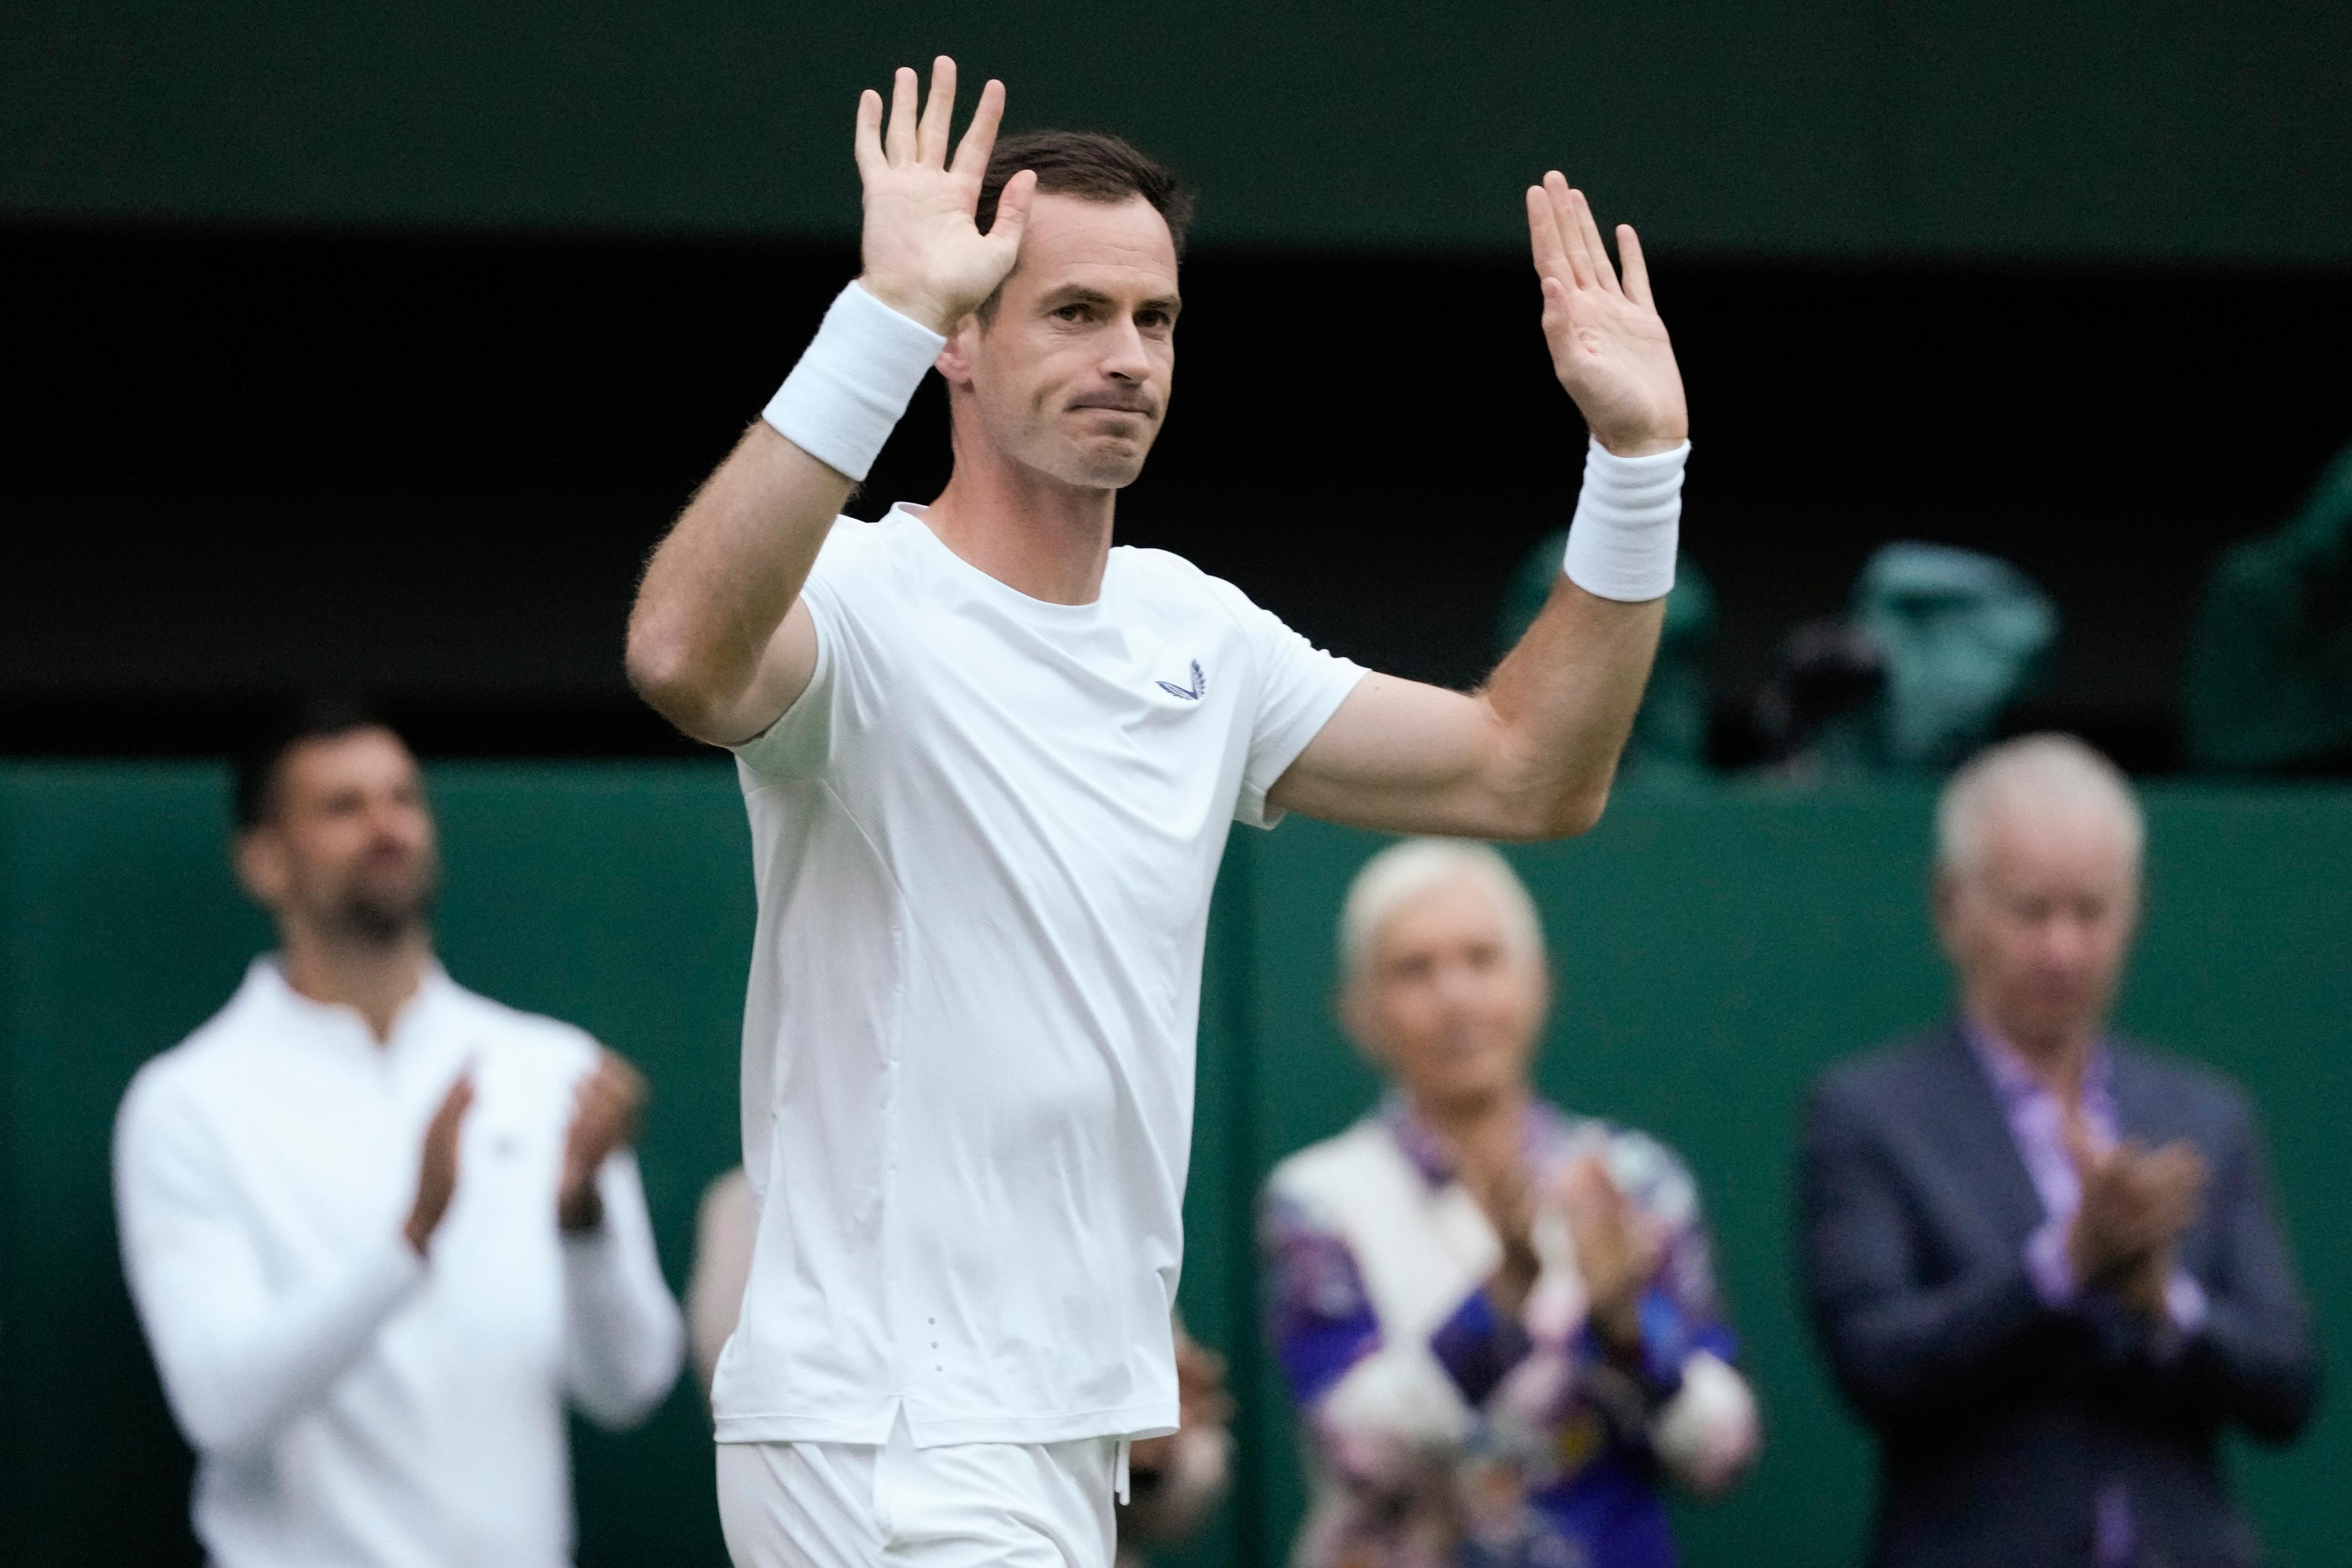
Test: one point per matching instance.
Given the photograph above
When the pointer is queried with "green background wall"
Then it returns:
(1715, 950)
(2214, 129)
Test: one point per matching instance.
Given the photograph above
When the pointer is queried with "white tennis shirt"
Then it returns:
(984, 840)
(350, 1403)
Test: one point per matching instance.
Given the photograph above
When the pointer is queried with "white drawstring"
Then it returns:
(1119, 1470)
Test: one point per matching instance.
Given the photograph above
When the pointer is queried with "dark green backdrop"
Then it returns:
(2217, 128)
(1715, 950)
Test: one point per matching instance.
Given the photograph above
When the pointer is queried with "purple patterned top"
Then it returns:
(1534, 1448)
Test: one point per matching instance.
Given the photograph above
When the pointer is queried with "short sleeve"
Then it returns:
(800, 742)
(1299, 687)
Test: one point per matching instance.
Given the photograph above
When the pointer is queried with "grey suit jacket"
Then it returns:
(2000, 1422)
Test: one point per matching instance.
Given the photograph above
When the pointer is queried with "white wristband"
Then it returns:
(1628, 523)
(845, 397)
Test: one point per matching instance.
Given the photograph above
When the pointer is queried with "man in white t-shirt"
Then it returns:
(990, 763)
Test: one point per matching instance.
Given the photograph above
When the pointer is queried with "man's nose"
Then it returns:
(1124, 356)
(2064, 942)
(391, 826)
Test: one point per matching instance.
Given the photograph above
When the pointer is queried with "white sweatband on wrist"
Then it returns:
(1628, 523)
(845, 397)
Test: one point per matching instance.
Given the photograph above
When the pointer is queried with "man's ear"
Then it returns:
(954, 362)
(260, 858)
(1944, 895)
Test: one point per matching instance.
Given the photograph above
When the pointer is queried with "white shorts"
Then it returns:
(965, 1505)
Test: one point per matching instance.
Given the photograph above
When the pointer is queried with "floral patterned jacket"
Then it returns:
(1445, 1433)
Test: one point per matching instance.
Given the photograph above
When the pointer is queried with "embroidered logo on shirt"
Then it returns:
(1200, 685)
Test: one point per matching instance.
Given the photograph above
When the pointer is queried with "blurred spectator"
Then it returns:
(723, 1230)
(1818, 710)
(1499, 1321)
(1670, 730)
(1936, 643)
(378, 1227)
(1174, 1483)
(2270, 667)
(1963, 635)
(2042, 1262)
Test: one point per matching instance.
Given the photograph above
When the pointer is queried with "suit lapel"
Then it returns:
(1978, 1138)
(2142, 1108)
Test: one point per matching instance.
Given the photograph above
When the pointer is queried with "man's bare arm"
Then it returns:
(719, 641)
(1532, 754)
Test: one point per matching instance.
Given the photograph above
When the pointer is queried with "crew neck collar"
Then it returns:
(996, 587)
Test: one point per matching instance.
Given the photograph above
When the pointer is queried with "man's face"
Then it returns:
(347, 849)
(2040, 926)
(1072, 373)
(1445, 1000)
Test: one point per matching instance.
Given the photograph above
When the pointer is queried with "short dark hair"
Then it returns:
(257, 764)
(1092, 165)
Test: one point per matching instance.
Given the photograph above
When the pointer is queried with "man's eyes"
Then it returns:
(1149, 321)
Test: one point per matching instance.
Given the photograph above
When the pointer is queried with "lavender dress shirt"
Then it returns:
(2037, 1123)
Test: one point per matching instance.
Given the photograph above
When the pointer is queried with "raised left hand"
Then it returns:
(606, 1109)
(1609, 345)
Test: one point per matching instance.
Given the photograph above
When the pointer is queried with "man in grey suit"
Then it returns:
(2043, 1263)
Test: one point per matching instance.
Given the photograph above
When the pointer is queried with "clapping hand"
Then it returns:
(924, 256)
(606, 1109)
(1609, 347)
(2136, 1202)
(436, 1167)
(1495, 1175)
(1617, 1251)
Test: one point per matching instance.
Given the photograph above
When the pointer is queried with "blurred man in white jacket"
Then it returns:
(377, 1228)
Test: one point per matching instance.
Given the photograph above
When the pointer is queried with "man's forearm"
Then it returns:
(2254, 1366)
(2252, 1358)
(703, 646)
(1565, 700)
(1914, 1353)
(723, 581)
(624, 1336)
(1566, 697)
(240, 1370)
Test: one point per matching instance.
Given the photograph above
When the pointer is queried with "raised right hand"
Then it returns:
(437, 1176)
(923, 255)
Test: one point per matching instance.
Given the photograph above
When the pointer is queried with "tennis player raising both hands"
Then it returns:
(990, 763)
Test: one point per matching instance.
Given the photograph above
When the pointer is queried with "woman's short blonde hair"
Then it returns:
(1403, 872)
